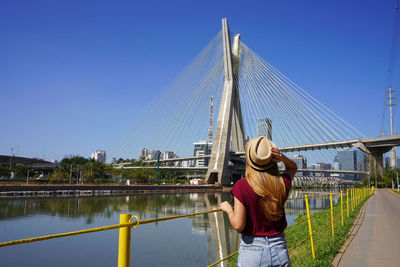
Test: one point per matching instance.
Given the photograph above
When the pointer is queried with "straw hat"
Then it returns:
(258, 153)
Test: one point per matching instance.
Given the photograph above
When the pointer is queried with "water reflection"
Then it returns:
(194, 241)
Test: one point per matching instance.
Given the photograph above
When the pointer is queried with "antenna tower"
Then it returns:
(389, 99)
(210, 127)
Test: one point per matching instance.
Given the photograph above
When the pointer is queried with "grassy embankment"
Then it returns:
(326, 245)
(396, 191)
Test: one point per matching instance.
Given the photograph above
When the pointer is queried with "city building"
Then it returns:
(145, 154)
(301, 164)
(336, 164)
(264, 128)
(361, 163)
(322, 166)
(386, 162)
(100, 156)
(312, 166)
(201, 148)
(347, 161)
(168, 155)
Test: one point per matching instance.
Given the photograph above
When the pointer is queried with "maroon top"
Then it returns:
(256, 222)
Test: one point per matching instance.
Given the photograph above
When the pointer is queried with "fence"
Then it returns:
(315, 239)
(354, 197)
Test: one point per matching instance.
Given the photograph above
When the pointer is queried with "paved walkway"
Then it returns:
(375, 240)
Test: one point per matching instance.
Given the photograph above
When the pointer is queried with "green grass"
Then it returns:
(395, 190)
(326, 245)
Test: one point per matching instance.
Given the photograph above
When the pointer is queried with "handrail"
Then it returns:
(110, 227)
(47, 237)
(98, 229)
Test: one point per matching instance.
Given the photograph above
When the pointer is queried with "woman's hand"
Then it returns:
(277, 155)
(290, 165)
(237, 217)
(225, 206)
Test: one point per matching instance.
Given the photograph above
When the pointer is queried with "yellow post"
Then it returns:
(356, 196)
(352, 199)
(309, 227)
(357, 199)
(124, 248)
(341, 205)
(347, 196)
(333, 228)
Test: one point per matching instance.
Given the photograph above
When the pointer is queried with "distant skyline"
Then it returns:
(75, 75)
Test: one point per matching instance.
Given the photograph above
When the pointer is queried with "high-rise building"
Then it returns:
(336, 164)
(145, 154)
(301, 164)
(386, 162)
(347, 161)
(100, 156)
(264, 128)
(361, 163)
(202, 148)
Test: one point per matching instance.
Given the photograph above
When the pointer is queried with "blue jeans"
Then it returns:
(263, 251)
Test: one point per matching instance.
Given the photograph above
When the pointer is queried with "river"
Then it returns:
(191, 241)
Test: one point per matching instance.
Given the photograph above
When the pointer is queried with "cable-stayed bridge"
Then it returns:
(255, 99)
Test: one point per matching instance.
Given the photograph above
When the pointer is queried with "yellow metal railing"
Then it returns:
(126, 224)
(357, 195)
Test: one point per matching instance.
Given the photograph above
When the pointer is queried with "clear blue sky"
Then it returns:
(74, 75)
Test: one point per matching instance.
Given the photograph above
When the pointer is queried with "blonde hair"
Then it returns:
(270, 187)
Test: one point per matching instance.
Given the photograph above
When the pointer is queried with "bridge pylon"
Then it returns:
(229, 133)
(375, 153)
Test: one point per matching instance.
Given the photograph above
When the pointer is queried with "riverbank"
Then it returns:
(106, 189)
(326, 245)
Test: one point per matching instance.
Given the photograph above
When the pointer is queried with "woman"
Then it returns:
(259, 201)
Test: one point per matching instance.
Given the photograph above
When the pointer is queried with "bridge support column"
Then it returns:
(375, 158)
(229, 127)
(375, 153)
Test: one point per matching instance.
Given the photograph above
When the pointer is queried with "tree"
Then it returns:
(388, 175)
(58, 175)
(4, 171)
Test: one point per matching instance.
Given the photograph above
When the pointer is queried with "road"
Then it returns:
(376, 239)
